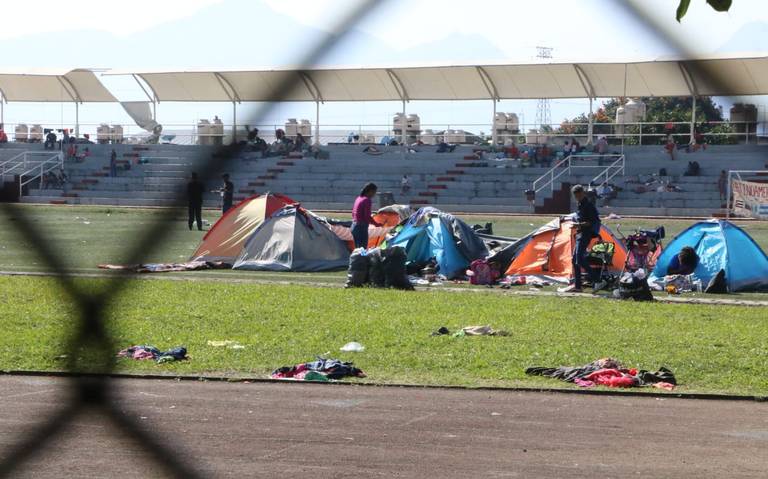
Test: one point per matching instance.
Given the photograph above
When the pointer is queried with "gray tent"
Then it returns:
(293, 239)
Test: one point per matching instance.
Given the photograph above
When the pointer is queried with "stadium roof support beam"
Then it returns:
(317, 95)
(3, 101)
(494, 94)
(233, 96)
(152, 97)
(73, 93)
(691, 83)
(589, 89)
(403, 93)
(149, 85)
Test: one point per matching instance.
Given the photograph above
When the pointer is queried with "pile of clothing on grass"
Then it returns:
(320, 370)
(485, 330)
(608, 372)
(144, 352)
(167, 267)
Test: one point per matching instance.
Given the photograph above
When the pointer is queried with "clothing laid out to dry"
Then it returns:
(608, 372)
(167, 267)
(144, 352)
(322, 369)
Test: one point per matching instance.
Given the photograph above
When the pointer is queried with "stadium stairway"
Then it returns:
(461, 181)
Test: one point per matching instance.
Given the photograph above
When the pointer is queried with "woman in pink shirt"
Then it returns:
(361, 215)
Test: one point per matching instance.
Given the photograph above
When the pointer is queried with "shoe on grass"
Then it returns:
(600, 285)
(569, 289)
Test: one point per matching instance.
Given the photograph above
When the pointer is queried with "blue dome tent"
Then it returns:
(720, 245)
(431, 233)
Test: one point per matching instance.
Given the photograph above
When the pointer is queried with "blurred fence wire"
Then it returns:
(93, 393)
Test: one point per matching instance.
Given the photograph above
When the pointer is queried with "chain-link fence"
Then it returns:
(94, 393)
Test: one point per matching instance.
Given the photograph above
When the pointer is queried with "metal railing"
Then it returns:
(37, 171)
(610, 171)
(566, 166)
(548, 179)
(12, 164)
(644, 132)
(24, 161)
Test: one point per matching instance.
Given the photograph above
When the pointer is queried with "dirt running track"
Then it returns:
(317, 431)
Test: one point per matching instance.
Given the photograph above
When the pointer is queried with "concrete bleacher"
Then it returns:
(458, 181)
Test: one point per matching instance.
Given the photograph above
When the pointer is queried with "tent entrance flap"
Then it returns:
(720, 245)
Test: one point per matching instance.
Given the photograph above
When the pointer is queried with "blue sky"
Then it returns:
(248, 33)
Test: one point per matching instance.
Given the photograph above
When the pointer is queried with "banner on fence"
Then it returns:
(750, 198)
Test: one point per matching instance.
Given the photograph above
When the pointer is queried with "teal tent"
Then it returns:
(431, 233)
(720, 245)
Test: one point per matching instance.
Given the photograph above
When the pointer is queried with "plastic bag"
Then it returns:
(395, 275)
(357, 274)
(375, 268)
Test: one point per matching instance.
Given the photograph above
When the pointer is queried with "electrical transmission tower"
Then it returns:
(543, 115)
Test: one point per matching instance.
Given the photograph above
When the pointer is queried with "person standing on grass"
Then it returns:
(195, 191)
(588, 226)
(227, 193)
(361, 215)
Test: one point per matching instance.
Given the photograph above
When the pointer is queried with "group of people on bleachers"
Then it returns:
(75, 154)
(528, 155)
(280, 147)
(52, 142)
(697, 143)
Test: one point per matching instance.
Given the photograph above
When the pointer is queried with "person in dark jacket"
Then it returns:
(227, 193)
(195, 191)
(588, 227)
(113, 164)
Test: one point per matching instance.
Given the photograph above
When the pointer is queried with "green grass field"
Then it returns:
(711, 348)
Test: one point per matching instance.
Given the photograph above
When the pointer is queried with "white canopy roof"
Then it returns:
(53, 86)
(743, 76)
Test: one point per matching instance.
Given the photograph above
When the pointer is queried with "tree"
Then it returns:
(718, 5)
(658, 110)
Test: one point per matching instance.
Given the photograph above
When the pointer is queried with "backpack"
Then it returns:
(481, 272)
(632, 286)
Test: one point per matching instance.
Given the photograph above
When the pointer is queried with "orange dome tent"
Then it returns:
(225, 240)
(376, 234)
(549, 250)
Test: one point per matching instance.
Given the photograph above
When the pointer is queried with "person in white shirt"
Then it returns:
(405, 185)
